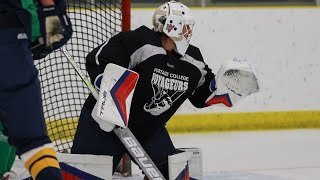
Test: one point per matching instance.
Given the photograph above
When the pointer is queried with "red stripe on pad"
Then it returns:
(67, 176)
(123, 92)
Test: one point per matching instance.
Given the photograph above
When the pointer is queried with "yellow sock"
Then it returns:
(42, 159)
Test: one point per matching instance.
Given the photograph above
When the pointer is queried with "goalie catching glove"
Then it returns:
(115, 95)
(234, 81)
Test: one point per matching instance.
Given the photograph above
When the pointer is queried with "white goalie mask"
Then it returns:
(175, 20)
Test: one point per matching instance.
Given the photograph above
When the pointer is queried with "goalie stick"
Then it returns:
(124, 134)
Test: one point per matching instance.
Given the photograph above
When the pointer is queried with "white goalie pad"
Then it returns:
(186, 165)
(195, 163)
(86, 166)
(179, 166)
(235, 80)
(75, 166)
(115, 95)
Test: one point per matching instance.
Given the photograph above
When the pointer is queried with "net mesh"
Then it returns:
(63, 91)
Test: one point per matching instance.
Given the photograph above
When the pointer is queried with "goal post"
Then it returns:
(63, 91)
(126, 15)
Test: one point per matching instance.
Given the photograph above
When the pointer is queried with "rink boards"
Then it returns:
(190, 123)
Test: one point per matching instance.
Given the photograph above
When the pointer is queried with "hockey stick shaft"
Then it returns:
(80, 72)
(125, 135)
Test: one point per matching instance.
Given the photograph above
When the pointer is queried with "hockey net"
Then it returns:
(63, 91)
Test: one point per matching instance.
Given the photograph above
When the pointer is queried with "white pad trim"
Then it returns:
(178, 165)
(97, 165)
(195, 162)
(190, 158)
(104, 125)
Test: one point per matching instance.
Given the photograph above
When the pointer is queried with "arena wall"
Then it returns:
(283, 46)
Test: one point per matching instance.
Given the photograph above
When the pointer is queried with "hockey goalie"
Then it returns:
(143, 77)
(170, 71)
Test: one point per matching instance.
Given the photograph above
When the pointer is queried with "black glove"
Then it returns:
(39, 50)
(55, 25)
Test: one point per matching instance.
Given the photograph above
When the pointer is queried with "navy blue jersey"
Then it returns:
(19, 86)
(166, 80)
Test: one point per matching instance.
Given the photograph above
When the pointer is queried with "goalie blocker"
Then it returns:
(116, 88)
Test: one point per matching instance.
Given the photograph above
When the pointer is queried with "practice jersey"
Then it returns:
(166, 80)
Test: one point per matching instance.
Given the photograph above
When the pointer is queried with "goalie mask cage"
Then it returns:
(63, 91)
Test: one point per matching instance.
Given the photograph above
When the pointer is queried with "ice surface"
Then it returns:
(255, 155)
(251, 155)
